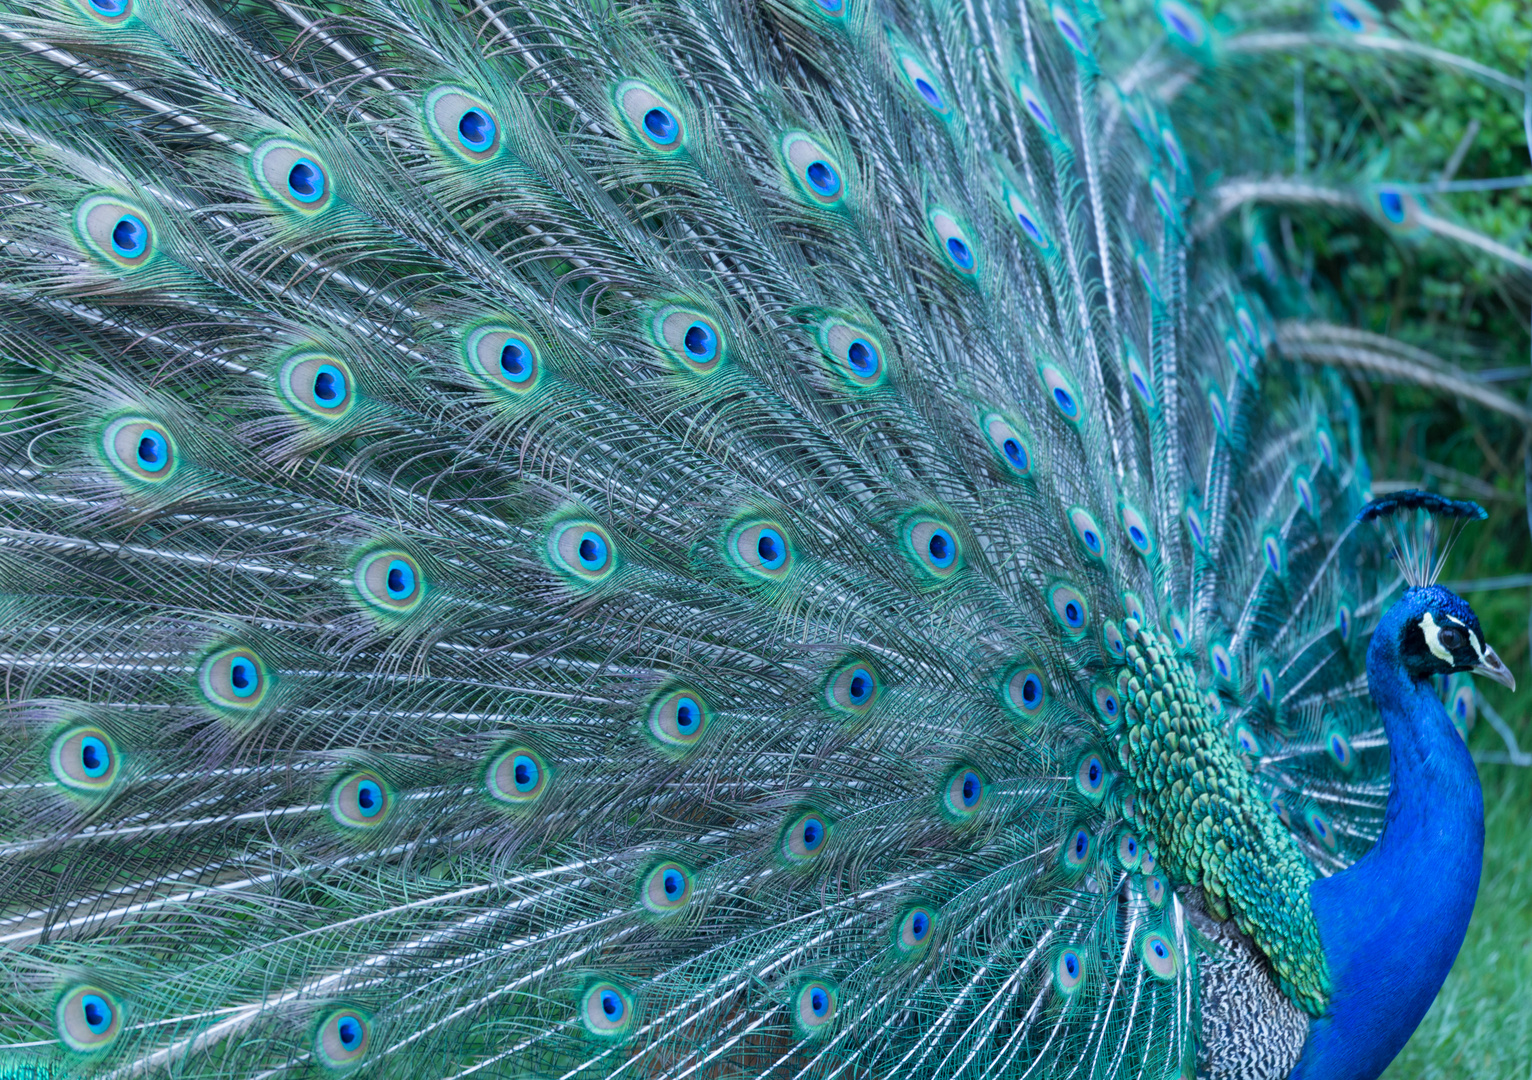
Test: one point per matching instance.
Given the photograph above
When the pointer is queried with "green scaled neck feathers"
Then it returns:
(1212, 825)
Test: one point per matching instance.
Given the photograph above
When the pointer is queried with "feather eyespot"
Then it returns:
(925, 85)
(116, 231)
(1111, 637)
(963, 793)
(1354, 16)
(1340, 751)
(319, 385)
(1088, 533)
(88, 1019)
(503, 359)
(1266, 685)
(1137, 528)
(1069, 29)
(1061, 392)
(233, 679)
(1107, 704)
(342, 1038)
(1069, 608)
(1183, 23)
(1180, 636)
(1025, 692)
(1343, 621)
(691, 339)
(1133, 608)
(583, 550)
(1154, 890)
(1195, 528)
(678, 719)
(856, 354)
(667, 888)
(1246, 742)
(805, 838)
(140, 449)
(607, 1010)
(1128, 851)
(1271, 551)
(1069, 970)
(1037, 108)
(1159, 955)
(932, 546)
(814, 170)
(360, 801)
(1138, 375)
(110, 12)
(1305, 492)
(1077, 849)
(389, 581)
(1029, 220)
(1321, 828)
(913, 931)
(85, 759)
(817, 1002)
(462, 123)
(1222, 662)
(1091, 777)
(1009, 444)
(291, 176)
(854, 688)
(954, 243)
(1218, 411)
(761, 548)
(518, 776)
(1326, 445)
(656, 122)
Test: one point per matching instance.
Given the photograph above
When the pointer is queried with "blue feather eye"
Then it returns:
(1401, 210)
(87, 1018)
(1217, 409)
(1030, 221)
(342, 1038)
(805, 838)
(933, 547)
(1245, 741)
(233, 680)
(110, 12)
(678, 719)
(462, 124)
(1069, 607)
(1155, 890)
(1180, 636)
(1138, 375)
(1008, 443)
(1037, 108)
(1237, 355)
(1146, 275)
(1133, 608)
(814, 169)
(963, 792)
(1195, 527)
(854, 688)
(1271, 552)
(856, 353)
(1077, 850)
(912, 933)
(1343, 621)
(655, 121)
(317, 385)
(1091, 777)
(291, 176)
(140, 449)
(504, 360)
(925, 85)
(1128, 851)
(1354, 16)
(1266, 685)
(1305, 492)
(1183, 23)
(816, 1003)
(1069, 970)
(1091, 538)
(1107, 704)
(360, 801)
(760, 548)
(1223, 663)
(1159, 955)
(1061, 392)
(667, 888)
(691, 339)
(115, 230)
(1339, 748)
(954, 243)
(1137, 528)
(518, 776)
(85, 759)
(607, 1010)
(583, 550)
(1070, 30)
(1025, 692)
(1111, 637)
(1320, 828)
(1326, 445)
(389, 581)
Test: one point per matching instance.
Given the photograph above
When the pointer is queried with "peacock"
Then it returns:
(704, 539)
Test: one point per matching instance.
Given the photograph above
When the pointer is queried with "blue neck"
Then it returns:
(1392, 924)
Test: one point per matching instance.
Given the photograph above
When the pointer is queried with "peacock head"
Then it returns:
(1437, 633)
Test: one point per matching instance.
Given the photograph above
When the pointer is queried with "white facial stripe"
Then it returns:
(1433, 638)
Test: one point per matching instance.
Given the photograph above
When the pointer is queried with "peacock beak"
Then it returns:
(1492, 667)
